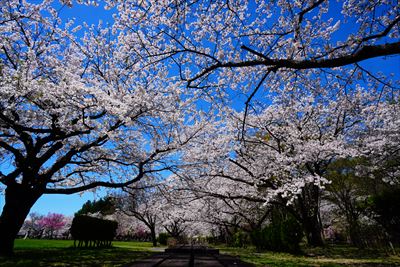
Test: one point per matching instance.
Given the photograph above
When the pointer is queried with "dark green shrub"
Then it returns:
(162, 238)
(211, 240)
(240, 239)
(387, 209)
(93, 232)
(275, 237)
(259, 239)
(283, 234)
(291, 235)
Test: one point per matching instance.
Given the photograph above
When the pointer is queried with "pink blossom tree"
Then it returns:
(52, 223)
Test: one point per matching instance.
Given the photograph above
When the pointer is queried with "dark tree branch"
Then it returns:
(366, 52)
(68, 191)
(384, 32)
(50, 152)
(247, 103)
(19, 128)
(10, 178)
(242, 167)
(308, 9)
(10, 59)
(18, 155)
(95, 184)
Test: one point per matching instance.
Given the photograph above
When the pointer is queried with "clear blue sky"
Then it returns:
(69, 204)
(64, 204)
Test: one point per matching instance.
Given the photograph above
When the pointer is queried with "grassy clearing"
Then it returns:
(330, 256)
(33, 252)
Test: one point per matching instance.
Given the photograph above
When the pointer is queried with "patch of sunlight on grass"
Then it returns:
(42, 243)
(31, 253)
(133, 245)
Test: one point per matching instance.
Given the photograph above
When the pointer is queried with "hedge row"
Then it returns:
(93, 232)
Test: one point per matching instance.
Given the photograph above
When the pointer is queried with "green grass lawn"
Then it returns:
(33, 252)
(61, 253)
(328, 256)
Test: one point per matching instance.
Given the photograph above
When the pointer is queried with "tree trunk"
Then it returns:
(313, 231)
(354, 230)
(308, 206)
(19, 200)
(153, 235)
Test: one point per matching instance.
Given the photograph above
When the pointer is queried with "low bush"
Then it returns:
(283, 234)
(89, 231)
(240, 239)
(163, 238)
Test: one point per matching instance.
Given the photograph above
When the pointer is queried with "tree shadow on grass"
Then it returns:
(328, 256)
(73, 257)
(347, 251)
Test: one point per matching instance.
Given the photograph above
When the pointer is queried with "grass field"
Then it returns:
(329, 256)
(31, 253)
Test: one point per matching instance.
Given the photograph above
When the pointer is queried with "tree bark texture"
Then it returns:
(308, 208)
(19, 200)
(153, 236)
(312, 229)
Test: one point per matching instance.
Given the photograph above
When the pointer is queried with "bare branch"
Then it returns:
(366, 52)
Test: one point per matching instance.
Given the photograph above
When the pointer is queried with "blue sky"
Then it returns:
(65, 204)
(69, 204)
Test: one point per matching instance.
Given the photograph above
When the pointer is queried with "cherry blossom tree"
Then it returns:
(109, 108)
(381, 141)
(250, 45)
(301, 57)
(52, 223)
(142, 203)
(76, 114)
(174, 212)
(132, 228)
(32, 225)
(287, 147)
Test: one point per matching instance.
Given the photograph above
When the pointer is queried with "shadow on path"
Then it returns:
(189, 256)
